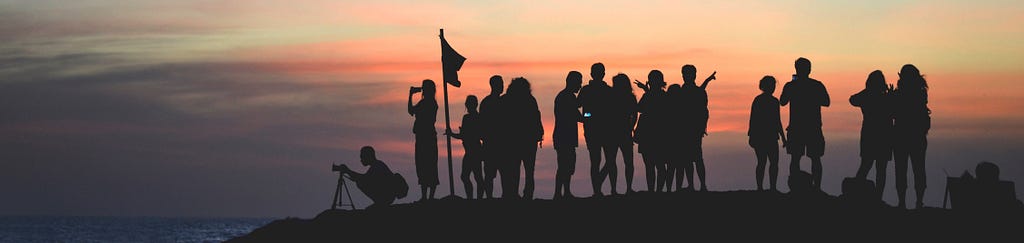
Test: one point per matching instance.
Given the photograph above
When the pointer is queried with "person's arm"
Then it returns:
(857, 99)
(579, 115)
(777, 119)
(642, 86)
(708, 80)
(826, 101)
(633, 114)
(412, 109)
(453, 134)
(355, 176)
(784, 97)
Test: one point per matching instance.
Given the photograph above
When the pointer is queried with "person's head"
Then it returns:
(367, 155)
(875, 82)
(471, 103)
(767, 84)
(689, 73)
(803, 67)
(497, 85)
(573, 81)
(519, 86)
(656, 80)
(597, 72)
(987, 171)
(911, 80)
(621, 82)
(429, 88)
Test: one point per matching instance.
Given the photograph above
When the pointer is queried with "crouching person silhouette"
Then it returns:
(378, 183)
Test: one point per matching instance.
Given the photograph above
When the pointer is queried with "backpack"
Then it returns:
(400, 185)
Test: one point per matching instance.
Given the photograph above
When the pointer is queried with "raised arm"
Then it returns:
(411, 108)
(708, 80)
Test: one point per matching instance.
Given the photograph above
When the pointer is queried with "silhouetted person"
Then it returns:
(525, 132)
(679, 148)
(804, 131)
(425, 112)
(876, 131)
(594, 100)
(622, 107)
(491, 126)
(695, 103)
(566, 134)
(650, 134)
(912, 122)
(764, 131)
(377, 183)
(472, 160)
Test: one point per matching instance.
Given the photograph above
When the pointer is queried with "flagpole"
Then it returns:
(448, 137)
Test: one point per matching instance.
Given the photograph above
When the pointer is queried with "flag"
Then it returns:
(451, 62)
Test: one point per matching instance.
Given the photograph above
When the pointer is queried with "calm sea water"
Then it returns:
(123, 229)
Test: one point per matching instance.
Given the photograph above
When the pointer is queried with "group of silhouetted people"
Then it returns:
(668, 124)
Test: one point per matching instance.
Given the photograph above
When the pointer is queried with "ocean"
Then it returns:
(124, 229)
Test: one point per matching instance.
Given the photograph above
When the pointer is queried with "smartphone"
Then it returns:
(586, 114)
(415, 89)
(794, 77)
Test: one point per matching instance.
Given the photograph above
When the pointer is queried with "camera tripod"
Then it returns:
(340, 192)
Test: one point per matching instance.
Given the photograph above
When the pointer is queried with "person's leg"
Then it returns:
(560, 172)
(611, 170)
(528, 165)
(865, 167)
(423, 193)
(880, 168)
(512, 170)
(688, 168)
(699, 163)
(650, 169)
(490, 172)
(465, 176)
(917, 159)
(816, 171)
(762, 159)
(627, 160)
(595, 168)
(773, 166)
(901, 177)
(478, 176)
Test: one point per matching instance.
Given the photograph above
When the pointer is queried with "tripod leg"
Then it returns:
(348, 192)
(337, 190)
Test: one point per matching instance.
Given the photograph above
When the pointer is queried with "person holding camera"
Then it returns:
(425, 112)
(378, 183)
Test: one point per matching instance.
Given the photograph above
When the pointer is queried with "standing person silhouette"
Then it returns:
(805, 137)
(566, 134)
(650, 134)
(525, 132)
(622, 108)
(594, 99)
(764, 131)
(695, 102)
(491, 125)
(425, 112)
(472, 167)
(678, 149)
(876, 129)
(912, 122)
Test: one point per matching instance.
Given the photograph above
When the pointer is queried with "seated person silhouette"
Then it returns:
(984, 193)
(378, 183)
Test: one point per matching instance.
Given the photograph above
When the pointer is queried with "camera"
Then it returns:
(338, 167)
(415, 89)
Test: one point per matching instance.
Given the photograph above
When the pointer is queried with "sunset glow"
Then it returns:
(141, 100)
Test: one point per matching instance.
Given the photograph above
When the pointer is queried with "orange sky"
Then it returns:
(199, 85)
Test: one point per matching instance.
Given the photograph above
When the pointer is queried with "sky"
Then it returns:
(238, 108)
